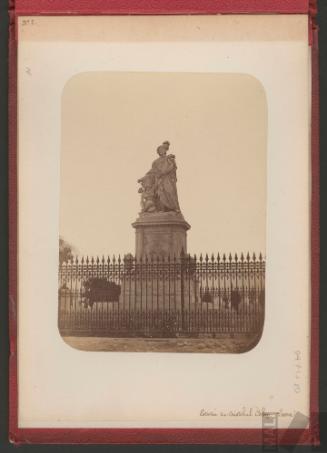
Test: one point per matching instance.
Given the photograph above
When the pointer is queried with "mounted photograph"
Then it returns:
(162, 238)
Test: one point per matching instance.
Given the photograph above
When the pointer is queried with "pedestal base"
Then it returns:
(160, 234)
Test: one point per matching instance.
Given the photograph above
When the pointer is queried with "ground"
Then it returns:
(224, 344)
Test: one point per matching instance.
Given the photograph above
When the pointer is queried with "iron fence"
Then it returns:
(161, 296)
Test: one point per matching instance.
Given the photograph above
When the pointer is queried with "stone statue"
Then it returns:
(148, 193)
(158, 186)
(160, 229)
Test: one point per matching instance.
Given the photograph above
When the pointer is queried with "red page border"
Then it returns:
(308, 436)
(160, 6)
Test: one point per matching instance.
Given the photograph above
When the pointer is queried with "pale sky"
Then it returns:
(112, 124)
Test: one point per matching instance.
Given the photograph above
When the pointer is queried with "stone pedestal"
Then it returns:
(160, 234)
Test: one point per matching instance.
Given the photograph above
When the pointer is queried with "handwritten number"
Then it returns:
(28, 22)
(298, 370)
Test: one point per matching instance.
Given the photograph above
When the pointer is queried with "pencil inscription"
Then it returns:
(244, 412)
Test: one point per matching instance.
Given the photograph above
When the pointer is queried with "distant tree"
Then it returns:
(97, 289)
(65, 251)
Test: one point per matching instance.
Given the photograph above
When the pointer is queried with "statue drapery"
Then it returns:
(158, 186)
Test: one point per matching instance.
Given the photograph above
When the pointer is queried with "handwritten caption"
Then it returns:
(244, 412)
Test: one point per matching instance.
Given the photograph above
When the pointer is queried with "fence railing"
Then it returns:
(162, 297)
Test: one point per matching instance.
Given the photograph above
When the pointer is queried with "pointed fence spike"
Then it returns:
(236, 257)
(242, 257)
(254, 257)
(248, 256)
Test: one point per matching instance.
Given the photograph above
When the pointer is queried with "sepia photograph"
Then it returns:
(163, 193)
(162, 242)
